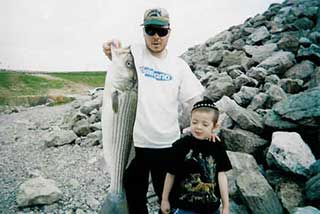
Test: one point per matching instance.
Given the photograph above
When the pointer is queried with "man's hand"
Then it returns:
(225, 210)
(165, 207)
(107, 47)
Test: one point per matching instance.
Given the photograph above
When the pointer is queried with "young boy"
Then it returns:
(196, 179)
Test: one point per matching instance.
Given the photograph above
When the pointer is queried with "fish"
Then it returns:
(118, 116)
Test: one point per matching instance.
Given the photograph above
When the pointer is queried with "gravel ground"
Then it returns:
(78, 171)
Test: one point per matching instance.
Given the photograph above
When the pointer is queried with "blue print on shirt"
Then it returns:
(157, 75)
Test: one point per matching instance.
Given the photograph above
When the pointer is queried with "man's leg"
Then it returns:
(136, 179)
(158, 167)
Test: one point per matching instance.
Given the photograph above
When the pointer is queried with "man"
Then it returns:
(164, 81)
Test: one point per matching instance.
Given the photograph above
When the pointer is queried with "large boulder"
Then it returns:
(289, 153)
(278, 62)
(59, 137)
(246, 119)
(260, 53)
(258, 194)
(38, 191)
(312, 188)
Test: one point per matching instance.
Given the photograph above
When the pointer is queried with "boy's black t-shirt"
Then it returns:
(195, 164)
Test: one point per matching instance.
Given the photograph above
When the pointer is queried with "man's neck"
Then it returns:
(159, 55)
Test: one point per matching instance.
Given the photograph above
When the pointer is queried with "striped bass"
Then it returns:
(118, 116)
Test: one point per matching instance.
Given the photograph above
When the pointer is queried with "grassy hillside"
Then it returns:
(15, 85)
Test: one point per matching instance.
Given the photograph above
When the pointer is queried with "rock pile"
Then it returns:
(264, 75)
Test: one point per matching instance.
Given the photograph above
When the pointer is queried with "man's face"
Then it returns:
(156, 37)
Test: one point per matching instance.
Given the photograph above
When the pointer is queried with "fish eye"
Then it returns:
(129, 64)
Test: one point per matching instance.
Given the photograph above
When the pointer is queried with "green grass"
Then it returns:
(13, 84)
(94, 79)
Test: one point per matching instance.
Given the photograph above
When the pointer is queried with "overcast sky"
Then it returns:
(62, 35)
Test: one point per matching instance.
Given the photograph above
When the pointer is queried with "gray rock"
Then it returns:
(81, 128)
(215, 57)
(311, 53)
(315, 168)
(303, 23)
(238, 44)
(290, 195)
(301, 70)
(95, 126)
(59, 137)
(36, 191)
(245, 95)
(274, 79)
(234, 73)
(239, 140)
(220, 45)
(303, 108)
(290, 153)
(260, 53)
(305, 210)
(238, 208)
(315, 79)
(289, 43)
(257, 73)
(305, 42)
(258, 101)
(240, 162)
(278, 62)
(88, 106)
(258, 194)
(220, 87)
(291, 86)
(235, 58)
(312, 188)
(223, 36)
(244, 80)
(274, 120)
(247, 119)
(275, 94)
(92, 139)
(258, 35)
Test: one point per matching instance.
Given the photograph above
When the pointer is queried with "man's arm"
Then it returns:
(223, 186)
(168, 183)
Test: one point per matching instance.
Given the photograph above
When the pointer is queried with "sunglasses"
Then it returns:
(151, 31)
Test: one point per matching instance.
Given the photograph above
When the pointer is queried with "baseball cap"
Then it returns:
(156, 16)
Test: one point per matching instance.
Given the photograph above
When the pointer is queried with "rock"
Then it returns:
(315, 79)
(302, 108)
(223, 85)
(301, 71)
(274, 120)
(258, 194)
(315, 168)
(289, 153)
(275, 94)
(59, 137)
(278, 62)
(305, 210)
(88, 106)
(81, 128)
(258, 101)
(311, 53)
(291, 86)
(274, 79)
(245, 95)
(305, 42)
(220, 45)
(290, 195)
(303, 23)
(238, 209)
(260, 53)
(289, 43)
(215, 57)
(312, 188)
(258, 35)
(240, 162)
(223, 36)
(92, 139)
(235, 58)
(247, 119)
(38, 191)
(244, 80)
(257, 73)
(239, 140)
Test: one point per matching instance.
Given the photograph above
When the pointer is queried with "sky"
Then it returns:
(67, 35)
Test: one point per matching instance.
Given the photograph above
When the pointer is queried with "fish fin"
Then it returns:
(115, 101)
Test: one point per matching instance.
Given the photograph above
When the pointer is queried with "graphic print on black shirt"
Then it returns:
(199, 182)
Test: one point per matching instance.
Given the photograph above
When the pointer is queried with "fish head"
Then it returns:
(123, 73)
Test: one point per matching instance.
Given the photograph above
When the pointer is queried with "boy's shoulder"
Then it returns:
(182, 141)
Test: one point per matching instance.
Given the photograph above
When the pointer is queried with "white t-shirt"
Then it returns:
(162, 84)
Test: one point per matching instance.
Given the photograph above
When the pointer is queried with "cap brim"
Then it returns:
(156, 22)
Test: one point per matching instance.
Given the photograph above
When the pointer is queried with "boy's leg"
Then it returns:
(136, 179)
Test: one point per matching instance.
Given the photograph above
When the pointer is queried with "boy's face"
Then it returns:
(202, 124)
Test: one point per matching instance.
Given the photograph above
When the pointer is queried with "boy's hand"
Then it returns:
(165, 206)
(225, 210)
(107, 47)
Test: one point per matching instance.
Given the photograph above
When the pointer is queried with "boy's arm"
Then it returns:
(223, 186)
(168, 183)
